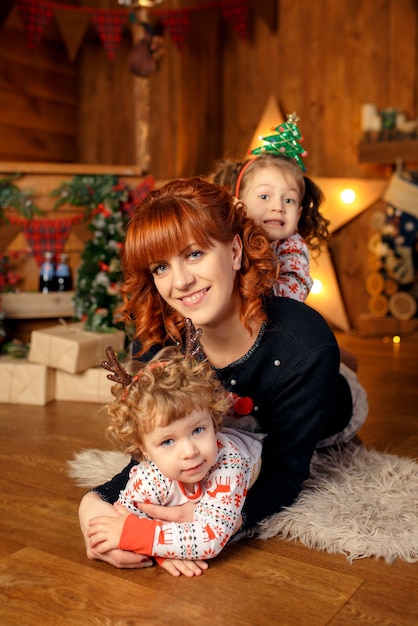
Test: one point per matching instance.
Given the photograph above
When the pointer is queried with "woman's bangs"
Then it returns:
(169, 231)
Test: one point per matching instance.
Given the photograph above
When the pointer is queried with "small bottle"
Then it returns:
(63, 279)
(47, 274)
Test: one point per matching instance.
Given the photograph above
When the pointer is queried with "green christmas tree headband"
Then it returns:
(285, 143)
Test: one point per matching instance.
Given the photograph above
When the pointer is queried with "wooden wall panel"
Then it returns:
(325, 60)
(106, 111)
(402, 56)
(185, 102)
(38, 97)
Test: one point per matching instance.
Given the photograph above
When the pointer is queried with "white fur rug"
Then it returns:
(357, 502)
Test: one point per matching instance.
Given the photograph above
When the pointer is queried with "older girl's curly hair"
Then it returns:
(312, 226)
(180, 212)
(167, 388)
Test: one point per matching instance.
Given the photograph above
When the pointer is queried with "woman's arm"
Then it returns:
(92, 506)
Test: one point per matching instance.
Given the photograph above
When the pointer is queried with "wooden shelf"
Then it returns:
(388, 151)
(27, 305)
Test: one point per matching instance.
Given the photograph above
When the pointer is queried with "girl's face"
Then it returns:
(184, 450)
(200, 284)
(273, 201)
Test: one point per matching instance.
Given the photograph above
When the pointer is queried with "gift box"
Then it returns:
(22, 382)
(89, 386)
(70, 348)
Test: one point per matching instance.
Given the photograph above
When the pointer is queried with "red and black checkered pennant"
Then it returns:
(35, 17)
(178, 24)
(109, 26)
(45, 235)
(237, 13)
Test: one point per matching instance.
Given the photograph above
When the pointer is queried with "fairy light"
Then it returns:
(348, 196)
(317, 286)
(396, 339)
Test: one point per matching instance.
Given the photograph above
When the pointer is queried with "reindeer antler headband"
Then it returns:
(120, 375)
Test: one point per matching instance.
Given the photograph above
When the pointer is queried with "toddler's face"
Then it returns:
(272, 200)
(184, 450)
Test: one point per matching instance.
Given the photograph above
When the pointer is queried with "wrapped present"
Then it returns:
(70, 348)
(22, 382)
(92, 385)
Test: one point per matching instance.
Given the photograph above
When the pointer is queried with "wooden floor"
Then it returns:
(47, 579)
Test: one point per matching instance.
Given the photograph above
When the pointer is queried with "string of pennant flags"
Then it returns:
(73, 22)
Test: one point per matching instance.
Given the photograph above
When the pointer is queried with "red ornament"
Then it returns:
(243, 406)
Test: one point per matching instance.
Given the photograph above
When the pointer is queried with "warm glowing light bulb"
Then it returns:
(348, 196)
(317, 286)
(396, 339)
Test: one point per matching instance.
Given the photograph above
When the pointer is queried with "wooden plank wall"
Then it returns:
(56, 110)
(38, 98)
(324, 60)
(327, 58)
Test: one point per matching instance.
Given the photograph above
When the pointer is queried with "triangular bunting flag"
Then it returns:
(109, 26)
(35, 17)
(46, 235)
(267, 11)
(72, 26)
(237, 13)
(178, 24)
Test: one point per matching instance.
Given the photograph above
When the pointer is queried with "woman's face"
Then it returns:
(200, 284)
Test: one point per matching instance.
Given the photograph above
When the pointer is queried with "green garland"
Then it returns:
(11, 197)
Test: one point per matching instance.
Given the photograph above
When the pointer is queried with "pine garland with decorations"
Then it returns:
(108, 204)
(12, 197)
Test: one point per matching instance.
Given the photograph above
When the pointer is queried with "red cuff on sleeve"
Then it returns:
(138, 535)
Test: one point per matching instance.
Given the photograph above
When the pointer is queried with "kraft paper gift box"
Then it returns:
(25, 383)
(89, 386)
(70, 348)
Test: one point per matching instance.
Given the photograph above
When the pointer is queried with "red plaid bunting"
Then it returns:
(138, 193)
(237, 12)
(109, 26)
(46, 235)
(178, 24)
(35, 17)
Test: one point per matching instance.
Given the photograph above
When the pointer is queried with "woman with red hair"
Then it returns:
(192, 252)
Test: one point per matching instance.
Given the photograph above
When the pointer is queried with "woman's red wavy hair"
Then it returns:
(171, 217)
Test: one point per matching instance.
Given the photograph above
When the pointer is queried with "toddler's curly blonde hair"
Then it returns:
(167, 388)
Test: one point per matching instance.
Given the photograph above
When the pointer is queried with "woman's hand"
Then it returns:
(177, 567)
(104, 532)
(92, 506)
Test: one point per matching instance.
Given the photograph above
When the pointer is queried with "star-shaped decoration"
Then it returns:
(329, 301)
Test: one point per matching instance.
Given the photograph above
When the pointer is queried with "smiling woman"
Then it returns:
(191, 252)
